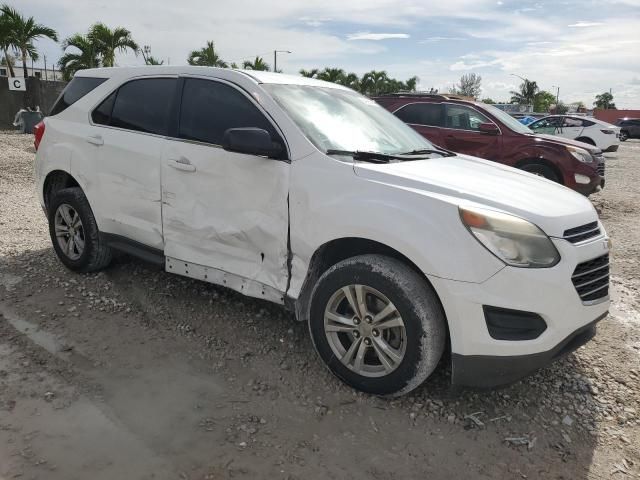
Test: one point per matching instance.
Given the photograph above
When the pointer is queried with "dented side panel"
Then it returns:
(230, 213)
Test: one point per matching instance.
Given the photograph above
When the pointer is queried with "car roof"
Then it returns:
(257, 76)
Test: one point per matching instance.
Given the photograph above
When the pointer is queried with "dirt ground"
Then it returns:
(136, 374)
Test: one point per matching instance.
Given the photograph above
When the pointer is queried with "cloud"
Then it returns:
(635, 81)
(585, 24)
(375, 36)
(440, 39)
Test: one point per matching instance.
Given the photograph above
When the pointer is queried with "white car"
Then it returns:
(588, 130)
(310, 195)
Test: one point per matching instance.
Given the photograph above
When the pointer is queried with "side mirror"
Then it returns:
(489, 128)
(253, 141)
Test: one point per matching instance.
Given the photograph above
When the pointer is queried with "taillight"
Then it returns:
(38, 132)
(608, 132)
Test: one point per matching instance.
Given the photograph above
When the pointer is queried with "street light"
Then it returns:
(523, 79)
(275, 58)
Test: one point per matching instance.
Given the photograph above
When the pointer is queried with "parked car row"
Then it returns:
(484, 131)
(307, 194)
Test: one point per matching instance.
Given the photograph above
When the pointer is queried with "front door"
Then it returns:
(462, 133)
(426, 118)
(224, 214)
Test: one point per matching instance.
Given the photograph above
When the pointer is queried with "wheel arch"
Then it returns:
(588, 140)
(54, 181)
(541, 161)
(336, 250)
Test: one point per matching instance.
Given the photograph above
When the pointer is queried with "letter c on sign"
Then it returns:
(17, 84)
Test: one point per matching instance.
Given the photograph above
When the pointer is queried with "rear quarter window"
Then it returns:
(77, 88)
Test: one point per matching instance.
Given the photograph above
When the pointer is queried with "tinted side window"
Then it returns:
(429, 114)
(587, 123)
(144, 105)
(77, 88)
(571, 122)
(209, 108)
(464, 118)
(102, 114)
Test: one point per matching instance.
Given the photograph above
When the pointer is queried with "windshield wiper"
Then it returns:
(426, 151)
(373, 157)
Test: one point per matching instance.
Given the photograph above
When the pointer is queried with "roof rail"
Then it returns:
(439, 96)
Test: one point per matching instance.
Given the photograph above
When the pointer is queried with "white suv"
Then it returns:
(310, 195)
(588, 130)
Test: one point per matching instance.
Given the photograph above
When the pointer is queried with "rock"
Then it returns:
(567, 420)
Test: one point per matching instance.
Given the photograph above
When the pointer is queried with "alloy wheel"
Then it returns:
(69, 231)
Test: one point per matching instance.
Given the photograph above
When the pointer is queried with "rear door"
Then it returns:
(548, 126)
(571, 127)
(462, 134)
(426, 118)
(128, 139)
(225, 214)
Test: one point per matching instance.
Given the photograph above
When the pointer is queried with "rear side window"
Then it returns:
(102, 114)
(78, 87)
(144, 105)
(429, 114)
(209, 108)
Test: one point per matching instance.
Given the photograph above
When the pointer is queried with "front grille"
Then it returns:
(583, 232)
(591, 278)
(601, 169)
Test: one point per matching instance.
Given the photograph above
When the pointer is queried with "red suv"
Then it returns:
(484, 131)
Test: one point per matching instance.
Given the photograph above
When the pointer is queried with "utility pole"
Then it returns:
(45, 67)
(557, 95)
(275, 58)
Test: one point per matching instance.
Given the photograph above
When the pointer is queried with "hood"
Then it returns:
(464, 180)
(567, 141)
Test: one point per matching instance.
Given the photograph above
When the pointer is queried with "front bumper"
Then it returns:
(547, 292)
(486, 371)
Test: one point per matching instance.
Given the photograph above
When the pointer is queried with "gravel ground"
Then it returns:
(134, 373)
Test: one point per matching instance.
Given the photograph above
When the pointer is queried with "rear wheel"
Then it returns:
(624, 136)
(542, 171)
(377, 324)
(74, 232)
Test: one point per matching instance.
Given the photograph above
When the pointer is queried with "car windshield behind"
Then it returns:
(337, 119)
(507, 119)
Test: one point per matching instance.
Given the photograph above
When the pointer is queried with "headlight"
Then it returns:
(512, 239)
(580, 154)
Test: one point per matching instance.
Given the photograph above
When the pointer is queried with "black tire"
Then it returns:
(586, 140)
(541, 170)
(96, 255)
(624, 136)
(415, 301)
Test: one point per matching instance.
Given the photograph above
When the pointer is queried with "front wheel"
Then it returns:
(624, 136)
(377, 324)
(541, 170)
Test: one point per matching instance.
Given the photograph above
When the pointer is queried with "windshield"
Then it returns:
(507, 119)
(336, 119)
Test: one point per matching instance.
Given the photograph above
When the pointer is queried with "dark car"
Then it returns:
(629, 128)
(484, 131)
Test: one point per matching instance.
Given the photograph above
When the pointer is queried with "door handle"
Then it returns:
(95, 140)
(181, 163)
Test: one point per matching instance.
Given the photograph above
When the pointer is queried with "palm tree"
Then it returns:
(207, 57)
(335, 75)
(374, 82)
(5, 42)
(309, 73)
(70, 63)
(257, 64)
(412, 83)
(527, 93)
(107, 41)
(351, 80)
(23, 32)
(148, 58)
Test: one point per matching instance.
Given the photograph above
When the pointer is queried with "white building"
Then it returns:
(41, 73)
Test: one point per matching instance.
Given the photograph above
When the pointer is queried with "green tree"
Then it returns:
(207, 57)
(309, 73)
(412, 84)
(470, 85)
(374, 83)
(148, 58)
(107, 41)
(527, 93)
(543, 100)
(5, 42)
(335, 75)
(561, 109)
(83, 55)
(488, 101)
(257, 64)
(605, 101)
(350, 80)
(23, 32)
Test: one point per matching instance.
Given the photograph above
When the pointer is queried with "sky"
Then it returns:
(583, 47)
